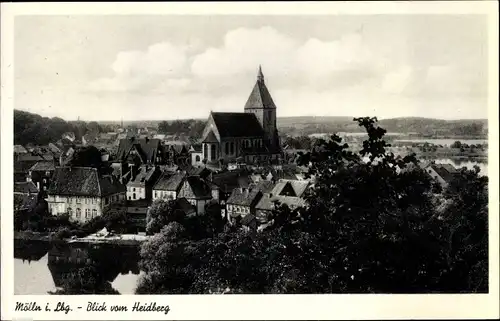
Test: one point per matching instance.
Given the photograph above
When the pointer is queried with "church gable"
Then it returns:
(210, 127)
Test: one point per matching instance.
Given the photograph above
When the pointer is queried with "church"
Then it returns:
(250, 136)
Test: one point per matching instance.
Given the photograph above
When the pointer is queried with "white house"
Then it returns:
(169, 185)
(82, 193)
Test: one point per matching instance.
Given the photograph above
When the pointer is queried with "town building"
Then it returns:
(141, 184)
(241, 204)
(41, 173)
(289, 192)
(25, 196)
(196, 155)
(82, 192)
(442, 173)
(169, 185)
(251, 136)
(133, 153)
(197, 192)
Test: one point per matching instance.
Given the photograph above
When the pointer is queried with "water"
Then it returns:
(444, 142)
(40, 268)
(483, 166)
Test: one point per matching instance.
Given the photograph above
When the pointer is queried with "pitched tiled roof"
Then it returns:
(23, 166)
(19, 149)
(43, 166)
(227, 181)
(237, 124)
(25, 187)
(144, 176)
(183, 205)
(260, 97)
(210, 138)
(244, 197)
(263, 186)
(147, 148)
(196, 147)
(446, 171)
(203, 172)
(169, 182)
(267, 202)
(199, 187)
(297, 188)
(83, 181)
(247, 219)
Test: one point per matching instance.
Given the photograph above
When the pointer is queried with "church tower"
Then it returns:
(262, 105)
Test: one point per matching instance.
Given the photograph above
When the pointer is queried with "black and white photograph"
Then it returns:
(168, 154)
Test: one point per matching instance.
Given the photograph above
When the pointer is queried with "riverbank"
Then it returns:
(118, 239)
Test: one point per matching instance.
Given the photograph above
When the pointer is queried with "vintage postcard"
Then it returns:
(249, 161)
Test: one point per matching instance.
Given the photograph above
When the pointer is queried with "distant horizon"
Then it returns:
(108, 67)
(279, 117)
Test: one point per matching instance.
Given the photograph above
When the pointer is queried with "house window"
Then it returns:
(94, 213)
(197, 158)
(226, 148)
(87, 213)
(232, 148)
(93, 201)
(70, 211)
(133, 196)
(205, 151)
(133, 189)
(78, 200)
(156, 194)
(78, 213)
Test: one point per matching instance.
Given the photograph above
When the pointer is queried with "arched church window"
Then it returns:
(197, 158)
(205, 150)
(212, 152)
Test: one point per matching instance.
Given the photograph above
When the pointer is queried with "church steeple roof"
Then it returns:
(260, 76)
(260, 96)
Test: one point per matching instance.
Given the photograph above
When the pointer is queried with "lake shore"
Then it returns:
(124, 239)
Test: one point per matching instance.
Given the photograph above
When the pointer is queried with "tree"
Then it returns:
(88, 156)
(372, 224)
(456, 144)
(161, 213)
(466, 217)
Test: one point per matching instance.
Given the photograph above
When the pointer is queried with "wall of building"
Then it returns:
(157, 194)
(136, 193)
(196, 158)
(81, 208)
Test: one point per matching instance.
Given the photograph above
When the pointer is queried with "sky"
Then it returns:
(160, 67)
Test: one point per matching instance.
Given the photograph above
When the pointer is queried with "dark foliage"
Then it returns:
(373, 224)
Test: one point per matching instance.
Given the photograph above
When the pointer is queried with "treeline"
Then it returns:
(377, 226)
(38, 130)
(191, 127)
(420, 126)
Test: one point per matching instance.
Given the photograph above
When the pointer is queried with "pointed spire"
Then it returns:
(260, 76)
